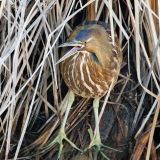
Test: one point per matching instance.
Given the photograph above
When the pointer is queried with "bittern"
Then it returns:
(91, 70)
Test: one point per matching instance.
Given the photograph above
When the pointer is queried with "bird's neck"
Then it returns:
(104, 54)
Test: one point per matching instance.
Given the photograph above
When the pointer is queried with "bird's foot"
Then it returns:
(95, 140)
(98, 145)
(59, 139)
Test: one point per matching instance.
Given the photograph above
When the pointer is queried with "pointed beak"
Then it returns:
(76, 46)
(71, 52)
(73, 43)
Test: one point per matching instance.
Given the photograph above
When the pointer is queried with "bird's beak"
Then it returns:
(73, 43)
(77, 46)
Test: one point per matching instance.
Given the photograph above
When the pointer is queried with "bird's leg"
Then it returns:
(62, 135)
(96, 140)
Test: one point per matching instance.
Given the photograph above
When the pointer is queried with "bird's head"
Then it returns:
(93, 38)
(87, 37)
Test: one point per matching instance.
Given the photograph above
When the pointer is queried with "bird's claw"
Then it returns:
(59, 139)
(96, 142)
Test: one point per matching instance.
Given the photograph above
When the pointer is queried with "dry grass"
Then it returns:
(31, 88)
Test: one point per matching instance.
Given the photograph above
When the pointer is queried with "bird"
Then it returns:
(90, 71)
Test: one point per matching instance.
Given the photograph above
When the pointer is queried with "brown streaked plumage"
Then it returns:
(89, 72)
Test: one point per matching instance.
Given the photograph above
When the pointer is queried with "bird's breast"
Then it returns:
(85, 77)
